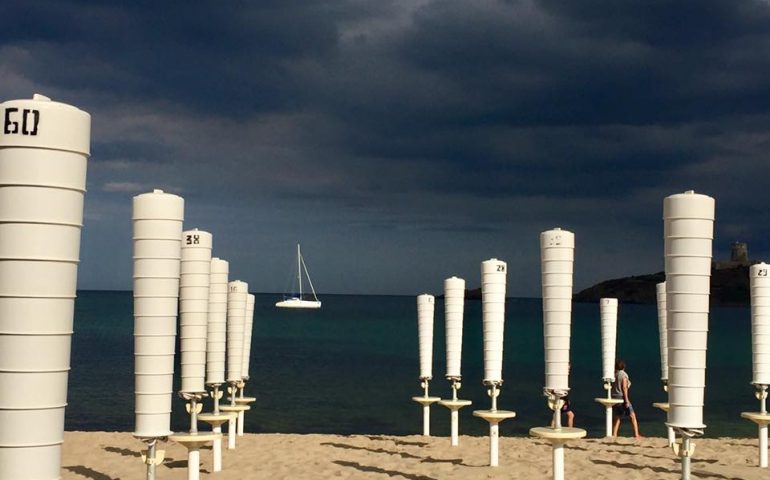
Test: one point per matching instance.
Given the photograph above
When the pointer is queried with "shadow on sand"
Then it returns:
(89, 473)
(123, 451)
(392, 473)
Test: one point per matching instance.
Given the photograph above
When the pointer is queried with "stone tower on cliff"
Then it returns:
(739, 254)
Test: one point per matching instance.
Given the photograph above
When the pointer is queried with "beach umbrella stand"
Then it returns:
(425, 308)
(557, 250)
(660, 292)
(664, 406)
(237, 294)
(454, 302)
(216, 346)
(240, 401)
(216, 420)
(238, 392)
(193, 443)
(193, 311)
(454, 405)
(44, 150)
(493, 281)
(494, 416)
(608, 311)
(157, 237)
(194, 284)
(759, 282)
(688, 235)
(236, 415)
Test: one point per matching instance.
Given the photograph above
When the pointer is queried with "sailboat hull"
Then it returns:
(297, 303)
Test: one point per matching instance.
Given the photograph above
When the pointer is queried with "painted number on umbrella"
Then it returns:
(762, 272)
(24, 123)
(193, 239)
(501, 268)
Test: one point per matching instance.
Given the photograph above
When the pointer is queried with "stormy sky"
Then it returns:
(402, 142)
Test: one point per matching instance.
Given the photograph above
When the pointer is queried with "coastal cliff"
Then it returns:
(729, 286)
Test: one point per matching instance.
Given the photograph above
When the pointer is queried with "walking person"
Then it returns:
(620, 388)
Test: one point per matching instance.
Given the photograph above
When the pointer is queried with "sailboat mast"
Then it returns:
(299, 271)
(309, 281)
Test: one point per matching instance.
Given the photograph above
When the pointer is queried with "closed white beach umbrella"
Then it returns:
(454, 303)
(689, 230)
(44, 147)
(157, 233)
(493, 277)
(216, 331)
(557, 255)
(425, 308)
(236, 315)
(248, 327)
(660, 291)
(760, 322)
(194, 308)
(608, 311)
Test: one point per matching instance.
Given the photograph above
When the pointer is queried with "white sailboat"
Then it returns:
(298, 302)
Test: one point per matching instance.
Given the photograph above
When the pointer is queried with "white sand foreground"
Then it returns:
(113, 456)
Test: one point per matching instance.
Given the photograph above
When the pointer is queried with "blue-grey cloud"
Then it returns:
(408, 140)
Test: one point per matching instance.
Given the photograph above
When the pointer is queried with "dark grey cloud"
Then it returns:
(405, 141)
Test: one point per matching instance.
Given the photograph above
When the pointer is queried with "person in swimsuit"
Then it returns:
(567, 408)
(620, 388)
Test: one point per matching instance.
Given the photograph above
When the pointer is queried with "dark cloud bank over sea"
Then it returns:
(404, 141)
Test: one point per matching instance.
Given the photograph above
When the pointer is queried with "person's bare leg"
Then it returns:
(570, 419)
(615, 425)
(635, 425)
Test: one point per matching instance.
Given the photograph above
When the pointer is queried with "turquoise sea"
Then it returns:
(352, 368)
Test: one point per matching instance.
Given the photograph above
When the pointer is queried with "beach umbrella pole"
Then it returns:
(152, 457)
(193, 408)
(493, 282)
(426, 401)
(216, 352)
(665, 406)
(216, 395)
(236, 411)
(685, 449)
(454, 405)
(557, 248)
(157, 219)
(237, 398)
(494, 417)
(237, 300)
(558, 447)
(241, 415)
(761, 418)
(150, 460)
(193, 442)
(216, 419)
(454, 307)
(688, 232)
(608, 308)
(660, 294)
(237, 392)
(759, 286)
(608, 402)
(557, 435)
(425, 310)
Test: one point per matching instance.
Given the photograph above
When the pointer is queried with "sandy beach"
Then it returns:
(113, 456)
